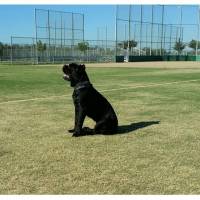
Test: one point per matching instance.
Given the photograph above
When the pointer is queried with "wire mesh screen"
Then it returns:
(155, 29)
(141, 30)
(23, 50)
(57, 33)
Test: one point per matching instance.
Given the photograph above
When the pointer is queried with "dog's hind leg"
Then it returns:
(87, 131)
(103, 127)
(108, 125)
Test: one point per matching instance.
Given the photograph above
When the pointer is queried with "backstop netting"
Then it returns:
(60, 32)
(155, 30)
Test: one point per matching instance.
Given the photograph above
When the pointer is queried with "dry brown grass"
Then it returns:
(160, 65)
(38, 156)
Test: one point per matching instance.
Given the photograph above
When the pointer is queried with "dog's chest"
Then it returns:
(76, 97)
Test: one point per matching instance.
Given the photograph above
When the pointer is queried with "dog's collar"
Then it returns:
(81, 85)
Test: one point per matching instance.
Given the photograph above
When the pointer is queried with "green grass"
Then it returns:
(38, 156)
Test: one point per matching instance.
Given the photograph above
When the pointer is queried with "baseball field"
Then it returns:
(156, 150)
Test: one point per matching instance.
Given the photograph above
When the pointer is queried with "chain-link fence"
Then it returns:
(156, 30)
(141, 31)
(59, 38)
(26, 50)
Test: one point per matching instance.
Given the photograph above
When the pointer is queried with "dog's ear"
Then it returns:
(82, 66)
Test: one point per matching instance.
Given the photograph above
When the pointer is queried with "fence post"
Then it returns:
(162, 30)
(198, 35)
(116, 20)
(49, 36)
(11, 50)
(151, 30)
(35, 19)
(141, 11)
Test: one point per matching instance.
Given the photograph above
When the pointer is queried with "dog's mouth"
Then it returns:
(66, 77)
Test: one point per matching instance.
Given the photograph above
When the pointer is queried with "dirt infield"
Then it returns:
(171, 64)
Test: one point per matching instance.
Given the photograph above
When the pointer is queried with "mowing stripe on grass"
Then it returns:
(117, 89)
(151, 85)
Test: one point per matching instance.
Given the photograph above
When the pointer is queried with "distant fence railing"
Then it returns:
(26, 50)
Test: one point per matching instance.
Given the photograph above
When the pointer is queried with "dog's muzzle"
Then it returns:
(66, 77)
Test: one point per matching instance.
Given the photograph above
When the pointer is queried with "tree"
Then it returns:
(179, 46)
(120, 45)
(132, 44)
(83, 46)
(193, 44)
(41, 47)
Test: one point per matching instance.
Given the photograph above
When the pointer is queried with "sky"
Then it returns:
(18, 20)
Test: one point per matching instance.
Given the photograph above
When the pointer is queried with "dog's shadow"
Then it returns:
(135, 126)
(121, 129)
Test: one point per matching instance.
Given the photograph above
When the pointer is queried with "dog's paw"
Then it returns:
(71, 131)
(76, 135)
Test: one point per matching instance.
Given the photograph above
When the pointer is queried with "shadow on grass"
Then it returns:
(121, 129)
(135, 126)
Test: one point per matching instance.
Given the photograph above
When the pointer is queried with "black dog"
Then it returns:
(89, 102)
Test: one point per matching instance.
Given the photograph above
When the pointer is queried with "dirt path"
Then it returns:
(170, 64)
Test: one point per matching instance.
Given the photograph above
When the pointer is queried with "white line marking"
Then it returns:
(34, 99)
(125, 88)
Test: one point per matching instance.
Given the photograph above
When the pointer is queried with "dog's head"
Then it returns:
(74, 73)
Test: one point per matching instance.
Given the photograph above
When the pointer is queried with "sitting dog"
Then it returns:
(89, 102)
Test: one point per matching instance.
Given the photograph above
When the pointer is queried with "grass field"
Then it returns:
(156, 152)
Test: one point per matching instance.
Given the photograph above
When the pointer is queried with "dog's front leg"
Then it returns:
(79, 119)
(75, 119)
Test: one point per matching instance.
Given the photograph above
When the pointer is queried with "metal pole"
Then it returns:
(162, 30)
(106, 40)
(182, 33)
(198, 35)
(134, 36)
(49, 50)
(32, 52)
(146, 38)
(116, 27)
(170, 39)
(61, 29)
(135, 26)
(73, 35)
(55, 43)
(83, 27)
(165, 30)
(61, 37)
(181, 20)
(129, 32)
(64, 38)
(180, 24)
(125, 32)
(141, 10)
(98, 42)
(158, 40)
(102, 40)
(176, 33)
(11, 52)
(36, 51)
(151, 29)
